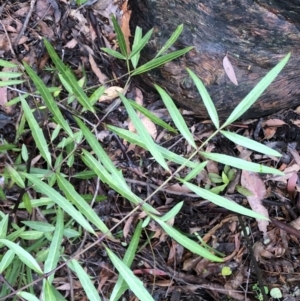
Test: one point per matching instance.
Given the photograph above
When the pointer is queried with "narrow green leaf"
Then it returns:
(171, 40)
(39, 226)
(114, 53)
(223, 202)
(3, 226)
(97, 148)
(11, 82)
(31, 235)
(15, 176)
(195, 171)
(209, 105)
(69, 77)
(135, 139)
(48, 294)
(152, 117)
(54, 249)
(136, 285)
(251, 144)
(121, 285)
(4, 63)
(176, 116)
(49, 100)
(28, 296)
(241, 164)
(60, 201)
(85, 280)
(172, 213)
(7, 146)
(27, 202)
(116, 182)
(187, 242)
(256, 92)
(23, 255)
(81, 204)
(136, 48)
(156, 62)
(6, 260)
(36, 132)
(120, 36)
(10, 74)
(137, 37)
(143, 133)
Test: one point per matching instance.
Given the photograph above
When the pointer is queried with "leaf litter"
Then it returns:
(165, 265)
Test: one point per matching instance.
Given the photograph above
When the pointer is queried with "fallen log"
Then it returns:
(254, 34)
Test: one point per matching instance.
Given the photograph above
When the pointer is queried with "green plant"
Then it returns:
(67, 213)
(256, 289)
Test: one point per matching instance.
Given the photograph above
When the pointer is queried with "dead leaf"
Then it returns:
(256, 186)
(229, 70)
(269, 132)
(102, 77)
(125, 24)
(273, 122)
(110, 94)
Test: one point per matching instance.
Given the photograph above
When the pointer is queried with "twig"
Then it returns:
(17, 40)
(7, 36)
(253, 259)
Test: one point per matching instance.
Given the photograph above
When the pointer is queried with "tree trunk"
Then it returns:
(256, 35)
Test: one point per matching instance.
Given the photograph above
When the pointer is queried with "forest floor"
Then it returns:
(167, 270)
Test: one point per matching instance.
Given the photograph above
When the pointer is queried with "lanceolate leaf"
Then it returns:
(81, 204)
(152, 116)
(69, 77)
(222, 202)
(120, 36)
(209, 105)
(251, 144)
(136, 285)
(141, 44)
(187, 242)
(137, 38)
(49, 100)
(85, 280)
(176, 116)
(241, 164)
(256, 92)
(37, 132)
(135, 139)
(11, 82)
(60, 201)
(54, 249)
(121, 285)
(143, 133)
(23, 255)
(161, 60)
(171, 40)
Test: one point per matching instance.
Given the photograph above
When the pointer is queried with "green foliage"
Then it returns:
(67, 213)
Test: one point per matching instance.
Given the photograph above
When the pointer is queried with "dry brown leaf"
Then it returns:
(110, 94)
(288, 173)
(148, 124)
(71, 44)
(102, 77)
(273, 122)
(269, 132)
(125, 24)
(256, 186)
(291, 183)
(229, 70)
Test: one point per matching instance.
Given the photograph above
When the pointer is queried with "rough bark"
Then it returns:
(255, 34)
